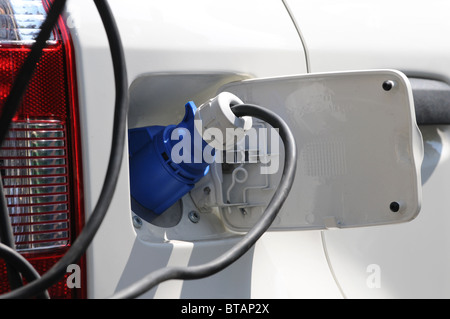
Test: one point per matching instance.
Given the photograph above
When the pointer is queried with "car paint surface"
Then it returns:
(166, 41)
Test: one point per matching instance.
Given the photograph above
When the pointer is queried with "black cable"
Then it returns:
(223, 261)
(121, 109)
(7, 238)
(83, 240)
(19, 263)
(10, 108)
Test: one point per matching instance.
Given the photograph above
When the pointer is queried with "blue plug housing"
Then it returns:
(156, 180)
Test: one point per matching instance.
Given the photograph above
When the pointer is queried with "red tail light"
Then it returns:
(40, 161)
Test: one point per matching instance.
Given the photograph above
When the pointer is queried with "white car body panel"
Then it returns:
(345, 35)
(408, 36)
(259, 39)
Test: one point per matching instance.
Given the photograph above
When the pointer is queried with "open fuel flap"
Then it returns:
(359, 154)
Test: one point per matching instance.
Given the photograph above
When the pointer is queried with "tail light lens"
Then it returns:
(40, 161)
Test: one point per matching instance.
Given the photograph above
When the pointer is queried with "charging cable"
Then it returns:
(83, 240)
(38, 285)
(250, 238)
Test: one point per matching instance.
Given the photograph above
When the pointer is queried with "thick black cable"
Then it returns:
(7, 238)
(19, 263)
(274, 206)
(196, 272)
(9, 109)
(84, 239)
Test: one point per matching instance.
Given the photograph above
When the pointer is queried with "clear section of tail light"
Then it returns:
(35, 174)
(40, 160)
(20, 21)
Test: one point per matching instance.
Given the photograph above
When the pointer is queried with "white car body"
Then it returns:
(232, 40)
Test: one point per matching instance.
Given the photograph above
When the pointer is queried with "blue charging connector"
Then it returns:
(161, 172)
(157, 180)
